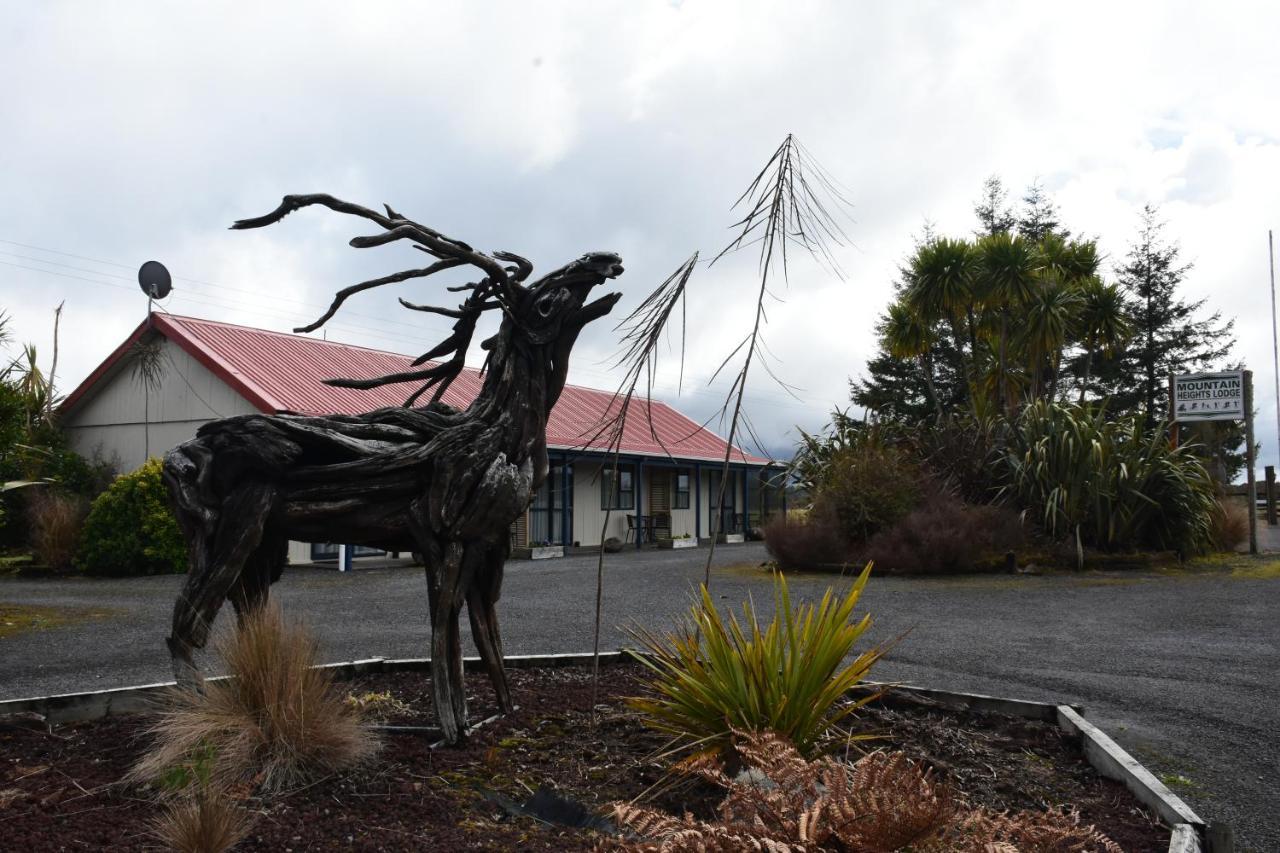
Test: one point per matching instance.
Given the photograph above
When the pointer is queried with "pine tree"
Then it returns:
(1167, 337)
(897, 389)
(993, 211)
(1039, 217)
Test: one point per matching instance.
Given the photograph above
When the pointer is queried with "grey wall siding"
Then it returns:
(588, 517)
(112, 420)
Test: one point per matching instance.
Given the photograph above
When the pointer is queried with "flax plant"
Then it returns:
(1107, 483)
(713, 675)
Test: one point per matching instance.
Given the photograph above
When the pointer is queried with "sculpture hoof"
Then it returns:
(185, 671)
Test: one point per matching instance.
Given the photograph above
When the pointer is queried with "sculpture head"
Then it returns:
(548, 313)
(557, 303)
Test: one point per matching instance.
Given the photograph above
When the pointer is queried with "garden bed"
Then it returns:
(59, 789)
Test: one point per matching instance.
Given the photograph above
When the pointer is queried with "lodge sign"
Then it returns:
(1209, 396)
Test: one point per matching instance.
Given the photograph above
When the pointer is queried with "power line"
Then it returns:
(315, 306)
(340, 326)
(765, 398)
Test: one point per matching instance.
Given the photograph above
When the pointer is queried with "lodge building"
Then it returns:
(667, 479)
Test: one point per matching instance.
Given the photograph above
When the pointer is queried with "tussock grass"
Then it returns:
(278, 722)
(55, 521)
(207, 823)
(1228, 525)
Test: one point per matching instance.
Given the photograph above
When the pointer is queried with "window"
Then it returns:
(329, 551)
(682, 491)
(546, 513)
(624, 491)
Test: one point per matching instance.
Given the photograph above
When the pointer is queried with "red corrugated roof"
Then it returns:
(279, 372)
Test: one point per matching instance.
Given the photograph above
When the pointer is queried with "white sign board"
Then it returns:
(1209, 396)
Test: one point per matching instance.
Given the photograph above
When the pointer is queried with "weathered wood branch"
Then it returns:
(443, 482)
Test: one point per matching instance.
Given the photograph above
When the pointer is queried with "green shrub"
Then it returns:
(1105, 483)
(961, 451)
(868, 487)
(131, 529)
(713, 675)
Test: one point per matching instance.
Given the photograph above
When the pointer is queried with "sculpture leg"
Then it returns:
(263, 568)
(239, 532)
(482, 596)
(448, 687)
(197, 518)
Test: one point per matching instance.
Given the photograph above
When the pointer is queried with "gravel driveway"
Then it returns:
(1181, 668)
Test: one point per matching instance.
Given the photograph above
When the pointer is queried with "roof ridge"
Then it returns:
(201, 339)
(257, 329)
(180, 318)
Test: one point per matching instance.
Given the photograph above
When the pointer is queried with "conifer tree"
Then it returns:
(1169, 336)
(1039, 216)
(992, 209)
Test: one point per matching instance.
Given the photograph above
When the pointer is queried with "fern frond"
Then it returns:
(1054, 831)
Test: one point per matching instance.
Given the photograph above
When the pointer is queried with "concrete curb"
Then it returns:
(1104, 754)
(897, 693)
(1111, 761)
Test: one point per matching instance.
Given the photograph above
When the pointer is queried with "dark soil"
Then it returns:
(59, 789)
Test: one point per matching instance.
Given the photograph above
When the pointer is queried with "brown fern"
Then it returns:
(783, 802)
(662, 833)
(887, 803)
(1055, 831)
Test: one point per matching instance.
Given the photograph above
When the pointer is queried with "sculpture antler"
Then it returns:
(499, 289)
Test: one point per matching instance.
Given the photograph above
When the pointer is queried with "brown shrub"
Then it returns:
(55, 520)
(206, 823)
(1228, 525)
(946, 536)
(278, 721)
(811, 543)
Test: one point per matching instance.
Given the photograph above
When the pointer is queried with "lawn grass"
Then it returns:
(19, 618)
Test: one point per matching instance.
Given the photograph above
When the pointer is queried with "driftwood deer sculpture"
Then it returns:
(432, 479)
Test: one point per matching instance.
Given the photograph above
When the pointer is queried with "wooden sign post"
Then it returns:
(1249, 461)
(1226, 396)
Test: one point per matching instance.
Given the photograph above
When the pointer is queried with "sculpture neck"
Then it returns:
(517, 391)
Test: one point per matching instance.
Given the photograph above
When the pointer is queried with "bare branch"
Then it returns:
(348, 292)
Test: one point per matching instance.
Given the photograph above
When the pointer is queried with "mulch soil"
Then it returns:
(60, 788)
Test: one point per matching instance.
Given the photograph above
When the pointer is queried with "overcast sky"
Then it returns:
(137, 131)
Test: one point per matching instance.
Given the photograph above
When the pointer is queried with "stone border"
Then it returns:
(1189, 831)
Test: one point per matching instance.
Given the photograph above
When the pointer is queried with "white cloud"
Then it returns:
(138, 131)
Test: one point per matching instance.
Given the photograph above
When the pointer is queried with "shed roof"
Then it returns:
(279, 372)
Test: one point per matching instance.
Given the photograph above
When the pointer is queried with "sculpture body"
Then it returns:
(432, 479)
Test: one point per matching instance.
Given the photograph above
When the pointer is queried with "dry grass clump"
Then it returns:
(55, 520)
(885, 802)
(379, 706)
(206, 823)
(278, 721)
(1228, 525)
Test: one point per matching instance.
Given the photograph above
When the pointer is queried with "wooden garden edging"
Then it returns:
(1190, 834)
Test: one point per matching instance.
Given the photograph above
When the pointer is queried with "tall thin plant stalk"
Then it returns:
(792, 203)
(642, 331)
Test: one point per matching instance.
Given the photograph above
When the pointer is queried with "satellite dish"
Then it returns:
(155, 280)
